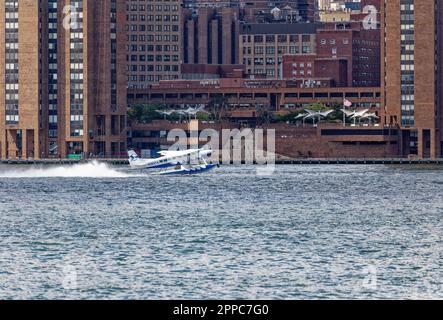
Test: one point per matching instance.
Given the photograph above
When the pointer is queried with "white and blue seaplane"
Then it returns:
(191, 161)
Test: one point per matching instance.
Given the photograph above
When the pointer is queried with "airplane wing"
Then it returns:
(172, 153)
(183, 153)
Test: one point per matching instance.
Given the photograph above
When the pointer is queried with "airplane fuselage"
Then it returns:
(172, 159)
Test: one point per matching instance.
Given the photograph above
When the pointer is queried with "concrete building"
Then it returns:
(262, 46)
(154, 41)
(412, 74)
(335, 16)
(62, 83)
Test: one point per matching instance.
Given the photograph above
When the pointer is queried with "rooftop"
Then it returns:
(280, 28)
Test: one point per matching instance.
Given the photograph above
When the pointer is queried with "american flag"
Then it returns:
(347, 103)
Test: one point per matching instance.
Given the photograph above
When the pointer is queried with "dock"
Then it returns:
(397, 161)
(122, 162)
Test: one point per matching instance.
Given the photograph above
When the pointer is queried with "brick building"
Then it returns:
(345, 52)
(413, 74)
(210, 35)
(359, 47)
(311, 68)
(248, 94)
(154, 41)
(323, 141)
(212, 71)
(62, 88)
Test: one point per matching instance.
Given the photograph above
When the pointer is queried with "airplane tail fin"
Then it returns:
(133, 156)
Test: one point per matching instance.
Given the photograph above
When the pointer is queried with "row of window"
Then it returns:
(158, 68)
(11, 62)
(279, 38)
(151, 7)
(76, 71)
(407, 62)
(150, 58)
(151, 17)
(151, 38)
(133, 80)
(279, 50)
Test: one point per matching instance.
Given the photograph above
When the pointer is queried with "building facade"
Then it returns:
(62, 78)
(21, 120)
(210, 35)
(323, 141)
(313, 70)
(350, 41)
(247, 94)
(412, 74)
(154, 41)
(262, 46)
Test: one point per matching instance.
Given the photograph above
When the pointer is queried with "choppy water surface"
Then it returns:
(305, 232)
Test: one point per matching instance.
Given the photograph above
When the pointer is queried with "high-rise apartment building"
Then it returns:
(210, 35)
(413, 75)
(62, 79)
(154, 41)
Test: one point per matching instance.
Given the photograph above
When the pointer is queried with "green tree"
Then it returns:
(145, 113)
(318, 107)
(201, 116)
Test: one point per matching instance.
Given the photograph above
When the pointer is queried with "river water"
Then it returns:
(304, 232)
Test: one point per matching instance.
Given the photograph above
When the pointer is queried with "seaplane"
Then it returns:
(191, 161)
